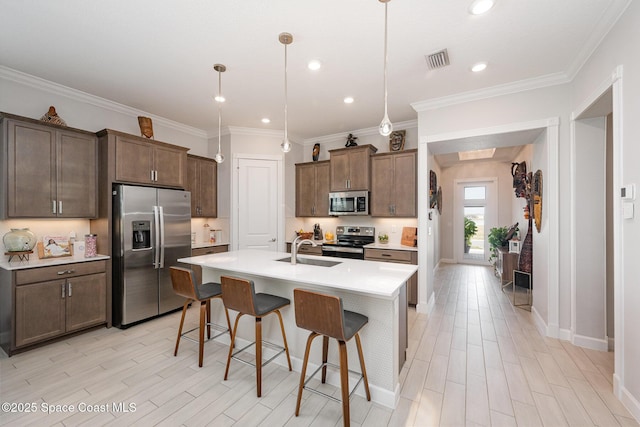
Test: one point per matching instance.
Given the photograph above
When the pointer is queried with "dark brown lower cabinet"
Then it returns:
(54, 301)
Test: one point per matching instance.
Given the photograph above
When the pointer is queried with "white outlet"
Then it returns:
(394, 229)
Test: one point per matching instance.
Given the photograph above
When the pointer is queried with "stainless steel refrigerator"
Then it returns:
(151, 230)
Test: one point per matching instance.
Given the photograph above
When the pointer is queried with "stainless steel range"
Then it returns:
(349, 243)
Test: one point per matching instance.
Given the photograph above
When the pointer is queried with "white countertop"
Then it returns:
(394, 246)
(207, 245)
(35, 262)
(369, 277)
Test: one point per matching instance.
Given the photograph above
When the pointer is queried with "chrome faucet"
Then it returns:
(295, 246)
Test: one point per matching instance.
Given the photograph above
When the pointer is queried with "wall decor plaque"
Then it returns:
(536, 190)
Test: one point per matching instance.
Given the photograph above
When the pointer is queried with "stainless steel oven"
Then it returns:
(350, 241)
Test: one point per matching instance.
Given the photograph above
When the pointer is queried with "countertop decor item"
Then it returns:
(52, 116)
(19, 240)
(54, 246)
(409, 236)
(383, 238)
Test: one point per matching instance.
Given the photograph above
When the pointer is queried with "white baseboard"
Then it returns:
(612, 343)
(628, 400)
(448, 260)
(590, 342)
(429, 306)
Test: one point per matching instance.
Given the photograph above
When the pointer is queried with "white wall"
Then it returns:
(620, 47)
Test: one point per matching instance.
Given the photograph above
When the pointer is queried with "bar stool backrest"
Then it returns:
(320, 313)
(183, 283)
(238, 294)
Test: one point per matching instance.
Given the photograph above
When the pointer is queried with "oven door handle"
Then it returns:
(343, 249)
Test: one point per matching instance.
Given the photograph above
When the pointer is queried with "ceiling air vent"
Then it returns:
(438, 60)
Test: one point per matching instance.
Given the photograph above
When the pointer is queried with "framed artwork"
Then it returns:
(54, 247)
(396, 140)
(439, 200)
(433, 189)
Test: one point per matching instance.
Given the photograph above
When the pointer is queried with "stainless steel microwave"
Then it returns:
(349, 203)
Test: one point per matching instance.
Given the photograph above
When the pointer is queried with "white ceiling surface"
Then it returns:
(157, 56)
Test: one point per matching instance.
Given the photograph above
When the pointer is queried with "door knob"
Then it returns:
(273, 240)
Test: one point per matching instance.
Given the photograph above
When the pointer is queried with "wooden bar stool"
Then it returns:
(239, 295)
(184, 285)
(323, 315)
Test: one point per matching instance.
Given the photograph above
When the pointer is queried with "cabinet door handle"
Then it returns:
(155, 175)
(62, 290)
(386, 254)
(60, 206)
(60, 273)
(69, 293)
(151, 177)
(53, 209)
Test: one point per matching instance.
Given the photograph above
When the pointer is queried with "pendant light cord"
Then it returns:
(385, 58)
(219, 111)
(285, 94)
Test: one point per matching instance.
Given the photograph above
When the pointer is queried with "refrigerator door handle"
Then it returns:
(161, 237)
(156, 227)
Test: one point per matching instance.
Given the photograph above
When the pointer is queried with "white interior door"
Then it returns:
(258, 200)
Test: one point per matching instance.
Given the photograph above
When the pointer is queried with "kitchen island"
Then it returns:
(375, 289)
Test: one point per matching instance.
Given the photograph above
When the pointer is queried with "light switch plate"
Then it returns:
(628, 192)
(627, 210)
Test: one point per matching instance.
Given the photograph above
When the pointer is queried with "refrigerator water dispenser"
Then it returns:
(141, 238)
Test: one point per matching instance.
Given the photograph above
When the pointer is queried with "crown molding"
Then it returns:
(491, 92)
(238, 130)
(360, 132)
(78, 95)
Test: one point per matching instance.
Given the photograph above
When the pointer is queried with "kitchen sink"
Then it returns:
(310, 261)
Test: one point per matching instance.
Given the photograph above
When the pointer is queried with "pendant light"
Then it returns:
(219, 99)
(386, 127)
(285, 39)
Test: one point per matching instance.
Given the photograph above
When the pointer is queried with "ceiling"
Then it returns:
(158, 56)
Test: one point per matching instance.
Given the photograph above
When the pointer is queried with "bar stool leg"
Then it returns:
(233, 337)
(259, 355)
(325, 355)
(203, 314)
(362, 368)
(344, 382)
(184, 312)
(303, 372)
(284, 339)
(208, 319)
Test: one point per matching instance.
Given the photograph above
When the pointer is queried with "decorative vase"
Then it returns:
(19, 240)
(526, 252)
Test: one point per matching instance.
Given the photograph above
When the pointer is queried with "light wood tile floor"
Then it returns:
(474, 361)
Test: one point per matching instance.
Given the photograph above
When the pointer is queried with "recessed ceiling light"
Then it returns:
(266, 120)
(219, 98)
(478, 7)
(314, 65)
(480, 66)
(348, 100)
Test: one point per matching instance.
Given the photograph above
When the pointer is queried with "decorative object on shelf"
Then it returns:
(90, 245)
(219, 99)
(383, 238)
(286, 39)
(351, 141)
(386, 127)
(525, 263)
(433, 189)
(514, 246)
(55, 247)
(146, 126)
(19, 240)
(536, 189)
(439, 200)
(470, 230)
(52, 116)
(396, 140)
(316, 152)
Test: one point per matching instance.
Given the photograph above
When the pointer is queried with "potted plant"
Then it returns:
(470, 230)
(499, 238)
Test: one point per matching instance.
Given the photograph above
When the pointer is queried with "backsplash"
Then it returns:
(390, 226)
(222, 224)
